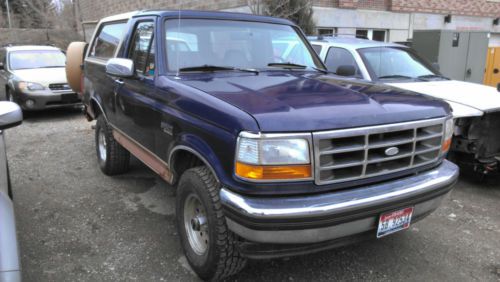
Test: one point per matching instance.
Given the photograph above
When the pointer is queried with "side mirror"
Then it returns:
(120, 67)
(346, 70)
(10, 115)
(1, 66)
(436, 66)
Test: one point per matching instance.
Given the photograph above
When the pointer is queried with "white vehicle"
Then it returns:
(476, 107)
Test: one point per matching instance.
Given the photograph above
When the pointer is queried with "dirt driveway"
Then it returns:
(75, 224)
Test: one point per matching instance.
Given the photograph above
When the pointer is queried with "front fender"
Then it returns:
(196, 145)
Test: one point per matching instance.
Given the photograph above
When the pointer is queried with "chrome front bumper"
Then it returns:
(339, 214)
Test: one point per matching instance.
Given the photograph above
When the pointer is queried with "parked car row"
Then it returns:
(276, 146)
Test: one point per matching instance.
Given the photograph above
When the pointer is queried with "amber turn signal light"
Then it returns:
(446, 145)
(274, 172)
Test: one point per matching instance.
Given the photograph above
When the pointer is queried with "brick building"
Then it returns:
(389, 20)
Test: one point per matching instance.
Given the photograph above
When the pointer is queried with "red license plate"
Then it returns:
(394, 221)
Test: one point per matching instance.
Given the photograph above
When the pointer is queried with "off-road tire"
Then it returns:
(222, 258)
(117, 158)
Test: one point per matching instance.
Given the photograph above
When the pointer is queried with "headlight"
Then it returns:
(31, 86)
(273, 157)
(449, 128)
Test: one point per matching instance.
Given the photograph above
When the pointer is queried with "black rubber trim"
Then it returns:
(259, 251)
(325, 221)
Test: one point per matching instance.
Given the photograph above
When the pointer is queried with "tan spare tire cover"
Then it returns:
(74, 61)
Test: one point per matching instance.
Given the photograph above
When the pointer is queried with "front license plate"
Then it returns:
(69, 97)
(394, 221)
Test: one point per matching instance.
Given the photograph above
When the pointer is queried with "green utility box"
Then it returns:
(461, 55)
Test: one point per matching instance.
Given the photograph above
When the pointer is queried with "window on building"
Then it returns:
(372, 34)
(327, 31)
(337, 57)
(362, 33)
(378, 35)
(107, 41)
(140, 47)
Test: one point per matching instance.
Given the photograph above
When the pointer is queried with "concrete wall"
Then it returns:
(59, 37)
(399, 25)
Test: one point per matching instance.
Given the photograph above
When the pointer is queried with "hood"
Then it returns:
(296, 101)
(465, 98)
(44, 76)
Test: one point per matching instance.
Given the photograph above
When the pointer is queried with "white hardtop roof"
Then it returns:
(124, 16)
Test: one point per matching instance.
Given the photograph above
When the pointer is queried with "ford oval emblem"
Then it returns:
(392, 151)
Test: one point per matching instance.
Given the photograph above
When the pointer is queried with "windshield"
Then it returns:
(395, 63)
(35, 59)
(250, 45)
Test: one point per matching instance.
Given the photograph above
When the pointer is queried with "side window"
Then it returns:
(107, 40)
(142, 50)
(317, 49)
(337, 57)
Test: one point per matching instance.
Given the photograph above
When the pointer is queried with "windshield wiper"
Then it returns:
(395, 76)
(295, 66)
(431, 76)
(287, 65)
(212, 68)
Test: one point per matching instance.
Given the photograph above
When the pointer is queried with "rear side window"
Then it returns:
(107, 40)
(337, 57)
(317, 49)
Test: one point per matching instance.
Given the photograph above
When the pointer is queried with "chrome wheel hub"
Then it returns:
(196, 224)
(102, 144)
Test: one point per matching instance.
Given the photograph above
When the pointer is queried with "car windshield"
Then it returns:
(201, 45)
(35, 59)
(395, 63)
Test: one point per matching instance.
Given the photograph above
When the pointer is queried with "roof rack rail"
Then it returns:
(322, 36)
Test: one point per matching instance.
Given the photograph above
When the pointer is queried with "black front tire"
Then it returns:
(221, 257)
(112, 157)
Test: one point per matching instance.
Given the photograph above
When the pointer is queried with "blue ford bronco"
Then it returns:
(270, 155)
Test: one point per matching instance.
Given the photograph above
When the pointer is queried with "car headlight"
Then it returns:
(31, 86)
(273, 157)
(449, 128)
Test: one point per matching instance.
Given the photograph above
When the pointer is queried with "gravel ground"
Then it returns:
(76, 224)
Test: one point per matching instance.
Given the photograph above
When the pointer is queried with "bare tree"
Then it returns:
(299, 11)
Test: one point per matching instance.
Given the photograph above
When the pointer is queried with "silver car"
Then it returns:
(35, 77)
(10, 116)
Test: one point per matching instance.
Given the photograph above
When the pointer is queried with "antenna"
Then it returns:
(178, 31)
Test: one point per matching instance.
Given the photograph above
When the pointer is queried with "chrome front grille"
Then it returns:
(59, 86)
(358, 153)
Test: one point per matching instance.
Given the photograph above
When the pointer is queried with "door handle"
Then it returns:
(119, 81)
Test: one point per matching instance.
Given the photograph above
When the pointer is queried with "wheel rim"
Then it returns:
(102, 144)
(196, 224)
